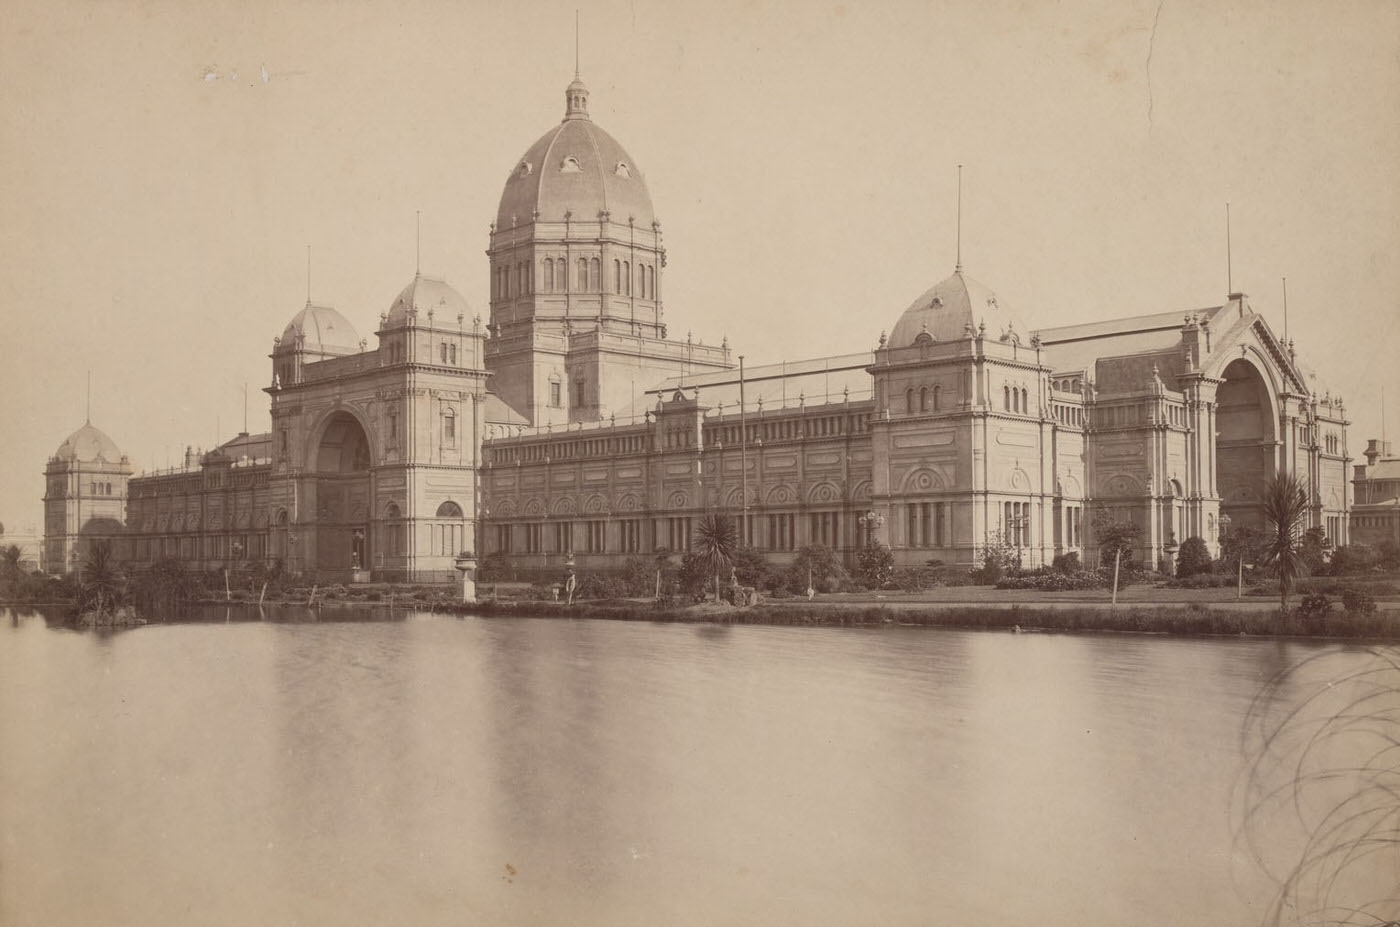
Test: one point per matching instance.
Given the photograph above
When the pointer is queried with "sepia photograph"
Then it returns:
(761, 462)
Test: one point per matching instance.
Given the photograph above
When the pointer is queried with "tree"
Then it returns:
(1192, 558)
(998, 559)
(1115, 538)
(819, 565)
(1285, 508)
(9, 564)
(101, 583)
(716, 540)
(875, 565)
(1312, 547)
(1241, 544)
(752, 568)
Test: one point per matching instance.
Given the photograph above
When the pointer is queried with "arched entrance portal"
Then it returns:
(1245, 442)
(342, 496)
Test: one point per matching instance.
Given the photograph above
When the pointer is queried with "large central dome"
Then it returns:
(575, 168)
(951, 309)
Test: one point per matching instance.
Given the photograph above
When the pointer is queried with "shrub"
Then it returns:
(998, 559)
(1352, 558)
(818, 564)
(1066, 563)
(1192, 558)
(1314, 605)
(494, 568)
(1205, 581)
(1054, 581)
(754, 569)
(875, 565)
(916, 579)
(601, 586)
(1358, 601)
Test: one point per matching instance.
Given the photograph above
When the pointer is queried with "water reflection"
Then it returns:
(321, 768)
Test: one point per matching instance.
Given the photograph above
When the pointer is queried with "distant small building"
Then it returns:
(1375, 517)
(84, 497)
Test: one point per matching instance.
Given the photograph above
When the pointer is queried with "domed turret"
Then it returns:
(950, 309)
(424, 293)
(322, 330)
(89, 444)
(577, 169)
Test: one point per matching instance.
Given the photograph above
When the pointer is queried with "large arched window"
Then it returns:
(449, 426)
(446, 510)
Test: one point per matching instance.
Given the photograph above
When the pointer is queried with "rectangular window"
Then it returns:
(554, 394)
(534, 539)
(443, 346)
(452, 354)
(449, 428)
(562, 542)
(503, 539)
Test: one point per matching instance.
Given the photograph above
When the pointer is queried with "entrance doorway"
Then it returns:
(342, 497)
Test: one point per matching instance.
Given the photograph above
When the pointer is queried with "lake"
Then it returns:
(421, 769)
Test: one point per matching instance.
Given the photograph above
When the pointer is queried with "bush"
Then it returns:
(1352, 558)
(1314, 605)
(601, 586)
(495, 568)
(1054, 581)
(1193, 558)
(998, 559)
(1358, 601)
(818, 563)
(875, 565)
(1204, 581)
(916, 579)
(1066, 563)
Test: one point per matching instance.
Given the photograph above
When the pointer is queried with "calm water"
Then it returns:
(439, 770)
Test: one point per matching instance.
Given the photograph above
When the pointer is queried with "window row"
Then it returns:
(928, 524)
(1073, 535)
(1068, 415)
(1016, 524)
(447, 353)
(1332, 443)
(1015, 400)
(582, 275)
(1066, 385)
(101, 489)
(924, 399)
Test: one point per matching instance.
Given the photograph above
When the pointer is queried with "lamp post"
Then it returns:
(1239, 581)
(870, 522)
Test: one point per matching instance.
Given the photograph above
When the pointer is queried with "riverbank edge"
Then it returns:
(1175, 619)
(1190, 620)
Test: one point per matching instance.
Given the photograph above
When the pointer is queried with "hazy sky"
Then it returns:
(158, 192)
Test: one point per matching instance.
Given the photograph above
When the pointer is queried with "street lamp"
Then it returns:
(1239, 580)
(870, 522)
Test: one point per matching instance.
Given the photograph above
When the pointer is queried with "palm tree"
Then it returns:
(716, 540)
(9, 561)
(101, 580)
(1285, 512)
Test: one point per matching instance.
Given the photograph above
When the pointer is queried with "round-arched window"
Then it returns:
(449, 510)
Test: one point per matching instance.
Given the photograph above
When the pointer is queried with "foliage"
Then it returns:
(1053, 580)
(875, 565)
(716, 540)
(9, 562)
(694, 572)
(1353, 558)
(1192, 558)
(1203, 581)
(1067, 562)
(601, 586)
(495, 568)
(915, 579)
(1358, 601)
(1285, 508)
(821, 565)
(102, 584)
(1388, 555)
(1240, 544)
(1313, 610)
(1114, 537)
(1312, 548)
(639, 576)
(998, 559)
(754, 569)
(164, 585)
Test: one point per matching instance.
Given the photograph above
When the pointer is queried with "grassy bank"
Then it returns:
(1187, 620)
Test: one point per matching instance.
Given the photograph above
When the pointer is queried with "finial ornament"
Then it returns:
(957, 267)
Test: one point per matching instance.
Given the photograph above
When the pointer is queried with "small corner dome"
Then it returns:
(325, 331)
(946, 310)
(89, 443)
(424, 293)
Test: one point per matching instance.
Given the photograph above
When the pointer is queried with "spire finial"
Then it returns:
(957, 268)
(1229, 270)
(418, 242)
(308, 275)
(87, 416)
(1285, 308)
(575, 43)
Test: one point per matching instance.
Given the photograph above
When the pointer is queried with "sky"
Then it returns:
(166, 165)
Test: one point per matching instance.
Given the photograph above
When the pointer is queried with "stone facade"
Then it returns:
(85, 491)
(1375, 518)
(571, 424)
